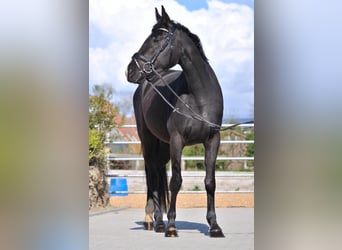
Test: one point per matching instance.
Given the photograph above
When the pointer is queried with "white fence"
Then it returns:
(193, 181)
(224, 158)
(240, 178)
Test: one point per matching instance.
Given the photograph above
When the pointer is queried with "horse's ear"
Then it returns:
(165, 16)
(158, 17)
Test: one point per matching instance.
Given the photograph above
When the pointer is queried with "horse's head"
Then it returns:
(158, 52)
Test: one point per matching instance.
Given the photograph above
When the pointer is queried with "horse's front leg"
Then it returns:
(176, 147)
(211, 149)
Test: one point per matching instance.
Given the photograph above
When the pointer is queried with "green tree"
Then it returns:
(96, 146)
(102, 119)
(102, 114)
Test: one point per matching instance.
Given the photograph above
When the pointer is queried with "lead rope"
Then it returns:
(194, 115)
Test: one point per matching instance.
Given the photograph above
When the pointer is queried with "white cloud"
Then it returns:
(226, 32)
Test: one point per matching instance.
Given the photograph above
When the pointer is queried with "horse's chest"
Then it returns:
(191, 131)
(155, 118)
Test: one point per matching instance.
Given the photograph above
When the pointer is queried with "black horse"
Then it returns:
(174, 109)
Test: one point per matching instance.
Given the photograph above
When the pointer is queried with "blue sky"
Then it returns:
(198, 4)
(114, 36)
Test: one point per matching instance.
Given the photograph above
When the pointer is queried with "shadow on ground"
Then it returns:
(181, 225)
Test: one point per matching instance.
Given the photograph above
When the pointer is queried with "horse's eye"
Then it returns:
(156, 39)
(157, 36)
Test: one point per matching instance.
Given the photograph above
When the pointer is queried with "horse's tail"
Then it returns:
(163, 189)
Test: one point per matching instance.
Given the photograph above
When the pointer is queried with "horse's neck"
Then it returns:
(202, 81)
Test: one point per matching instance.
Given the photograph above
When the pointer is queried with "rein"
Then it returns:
(194, 115)
(148, 68)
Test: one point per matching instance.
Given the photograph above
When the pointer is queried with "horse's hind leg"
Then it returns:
(148, 223)
(211, 149)
(153, 208)
(155, 205)
(156, 155)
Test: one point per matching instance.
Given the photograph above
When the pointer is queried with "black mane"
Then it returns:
(195, 39)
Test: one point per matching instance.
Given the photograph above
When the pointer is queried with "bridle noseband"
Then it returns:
(148, 65)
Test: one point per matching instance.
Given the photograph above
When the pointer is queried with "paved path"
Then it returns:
(122, 229)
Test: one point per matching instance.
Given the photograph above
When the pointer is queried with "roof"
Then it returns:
(126, 133)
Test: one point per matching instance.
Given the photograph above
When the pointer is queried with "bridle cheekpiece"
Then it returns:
(148, 65)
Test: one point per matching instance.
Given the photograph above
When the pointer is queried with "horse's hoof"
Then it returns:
(171, 232)
(148, 226)
(160, 227)
(216, 233)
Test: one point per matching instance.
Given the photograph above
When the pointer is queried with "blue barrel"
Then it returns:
(118, 187)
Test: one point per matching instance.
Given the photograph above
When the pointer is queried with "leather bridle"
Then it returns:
(148, 65)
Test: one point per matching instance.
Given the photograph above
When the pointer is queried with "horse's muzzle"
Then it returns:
(133, 74)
